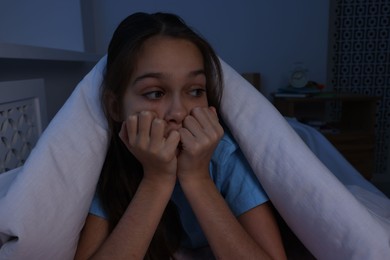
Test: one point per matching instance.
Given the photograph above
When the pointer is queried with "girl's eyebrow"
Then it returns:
(197, 72)
(158, 75)
(155, 75)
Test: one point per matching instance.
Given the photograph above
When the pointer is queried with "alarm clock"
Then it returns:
(298, 77)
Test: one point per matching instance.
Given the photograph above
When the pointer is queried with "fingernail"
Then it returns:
(132, 117)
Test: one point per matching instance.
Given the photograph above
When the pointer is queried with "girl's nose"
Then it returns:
(177, 111)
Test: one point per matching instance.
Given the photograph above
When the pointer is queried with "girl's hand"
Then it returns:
(199, 136)
(143, 135)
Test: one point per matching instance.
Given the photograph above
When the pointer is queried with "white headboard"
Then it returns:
(22, 119)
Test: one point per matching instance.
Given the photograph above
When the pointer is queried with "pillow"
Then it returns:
(44, 207)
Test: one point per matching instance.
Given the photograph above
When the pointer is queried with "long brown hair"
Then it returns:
(122, 173)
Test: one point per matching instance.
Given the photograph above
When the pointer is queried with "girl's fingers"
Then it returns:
(138, 127)
(207, 117)
(145, 132)
(172, 142)
(131, 125)
(203, 121)
(145, 119)
(186, 137)
(213, 110)
(192, 125)
(157, 132)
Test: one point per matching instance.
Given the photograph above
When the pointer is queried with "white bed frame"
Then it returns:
(22, 119)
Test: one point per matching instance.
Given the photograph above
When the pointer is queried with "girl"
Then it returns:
(173, 182)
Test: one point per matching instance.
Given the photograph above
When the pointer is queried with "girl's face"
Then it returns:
(168, 80)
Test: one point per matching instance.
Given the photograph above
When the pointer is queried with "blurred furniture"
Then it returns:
(346, 120)
(253, 78)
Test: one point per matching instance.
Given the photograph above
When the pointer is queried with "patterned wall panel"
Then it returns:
(360, 59)
(19, 132)
(22, 119)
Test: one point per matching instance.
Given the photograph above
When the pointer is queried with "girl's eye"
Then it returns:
(154, 95)
(197, 92)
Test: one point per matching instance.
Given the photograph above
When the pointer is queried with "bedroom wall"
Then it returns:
(60, 77)
(45, 23)
(252, 36)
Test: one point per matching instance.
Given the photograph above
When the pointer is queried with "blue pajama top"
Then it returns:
(233, 178)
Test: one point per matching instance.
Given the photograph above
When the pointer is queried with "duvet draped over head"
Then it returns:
(43, 204)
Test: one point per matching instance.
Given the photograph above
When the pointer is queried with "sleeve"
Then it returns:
(235, 179)
(96, 208)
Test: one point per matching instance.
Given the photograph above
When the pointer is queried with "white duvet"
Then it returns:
(44, 203)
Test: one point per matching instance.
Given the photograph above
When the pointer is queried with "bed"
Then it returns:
(332, 211)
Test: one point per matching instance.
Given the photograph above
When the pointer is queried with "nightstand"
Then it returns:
(346, 120)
